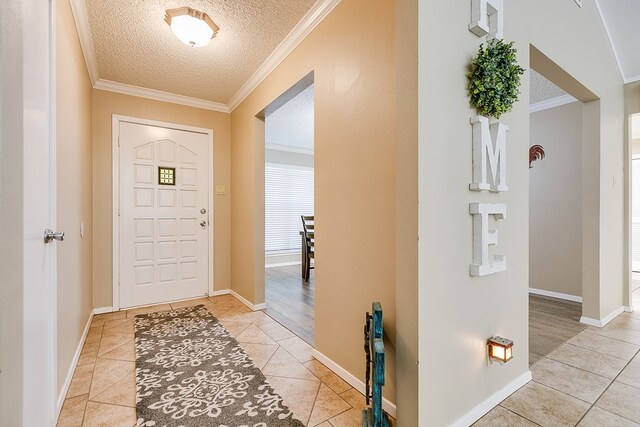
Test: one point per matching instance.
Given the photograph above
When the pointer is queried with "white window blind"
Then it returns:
(288, 194)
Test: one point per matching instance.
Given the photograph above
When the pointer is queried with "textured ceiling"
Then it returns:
(541, 89)
(291, 126)
(135, 46)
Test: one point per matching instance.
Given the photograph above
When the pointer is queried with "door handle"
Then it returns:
(49, 235)
(203, 224)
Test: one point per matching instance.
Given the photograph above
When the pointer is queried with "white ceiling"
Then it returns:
(622, 22)
(290, 127)
(135, 46)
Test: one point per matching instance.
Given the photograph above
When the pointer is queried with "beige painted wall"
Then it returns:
(448, 295)
(11, 212)
(352, 55)
(105, 104)
(555, 201)
(74, 196)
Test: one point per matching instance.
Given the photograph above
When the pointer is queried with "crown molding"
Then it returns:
(79, 12)
(632, 79)
(611, 45)
(551, 103)
(288, 148)
(310, 21)
(159, 95)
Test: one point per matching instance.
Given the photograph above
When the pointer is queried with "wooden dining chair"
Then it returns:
(308, 249)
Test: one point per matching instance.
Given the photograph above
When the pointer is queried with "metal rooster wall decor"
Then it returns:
(536, 152)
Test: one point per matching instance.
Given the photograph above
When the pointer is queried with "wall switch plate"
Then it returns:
(221, 190)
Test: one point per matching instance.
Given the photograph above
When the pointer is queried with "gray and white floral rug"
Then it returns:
(190, 371)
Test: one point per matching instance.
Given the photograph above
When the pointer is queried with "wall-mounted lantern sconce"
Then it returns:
(499, 349)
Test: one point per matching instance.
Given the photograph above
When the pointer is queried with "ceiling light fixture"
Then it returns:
(192, 27)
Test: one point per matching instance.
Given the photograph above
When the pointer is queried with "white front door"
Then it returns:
(164, 214)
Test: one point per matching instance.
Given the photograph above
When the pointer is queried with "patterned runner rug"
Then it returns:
(190, 371)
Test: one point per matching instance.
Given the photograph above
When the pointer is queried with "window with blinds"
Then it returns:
(288, 194)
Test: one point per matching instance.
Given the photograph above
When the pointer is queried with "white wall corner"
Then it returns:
(551, 103)
(628, 309)
(611, 45)
(72, 368)
(353, 381)
(558, 295)
(480, 410)
(79, 11)
(602, 322)
(220, 292)
(309, 21)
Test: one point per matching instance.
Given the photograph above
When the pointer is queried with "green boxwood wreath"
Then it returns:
(494, 78)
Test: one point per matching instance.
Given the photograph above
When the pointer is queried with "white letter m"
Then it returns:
(489, 155)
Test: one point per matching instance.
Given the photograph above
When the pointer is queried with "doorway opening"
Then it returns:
(634, 133)
(289, 204)
(564, 129)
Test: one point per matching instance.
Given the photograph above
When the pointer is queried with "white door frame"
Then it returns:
(117, 119)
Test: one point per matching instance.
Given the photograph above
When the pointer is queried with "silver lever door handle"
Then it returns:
(49, 235)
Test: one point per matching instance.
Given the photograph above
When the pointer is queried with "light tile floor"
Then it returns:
(592, 380)
(102, 391)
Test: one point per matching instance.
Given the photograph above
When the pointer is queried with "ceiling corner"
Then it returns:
(611, 45)
(312, 18)
(79, 11)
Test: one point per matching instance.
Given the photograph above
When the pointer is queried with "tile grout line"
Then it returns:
(597, 351)
(579, 368)
(606, 389)
(513, 412)
(315, 400)
(612, 338)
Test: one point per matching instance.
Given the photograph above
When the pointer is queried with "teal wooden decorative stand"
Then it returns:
(374, 350)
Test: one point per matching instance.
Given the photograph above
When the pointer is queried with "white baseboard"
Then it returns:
(479, 411)
(602, 322)
(221, 292)
(566, 297)
(102, 310)
(72, 368)
(628, 309)
(352, 380)
(253, 307)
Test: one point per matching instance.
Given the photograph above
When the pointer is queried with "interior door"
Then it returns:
(635, 215)
(38, 321)
(164, 218)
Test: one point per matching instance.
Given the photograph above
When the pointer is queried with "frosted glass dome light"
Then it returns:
(191, 27)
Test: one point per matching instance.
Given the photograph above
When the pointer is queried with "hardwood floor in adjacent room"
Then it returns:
(290, 300)
(552, 322)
